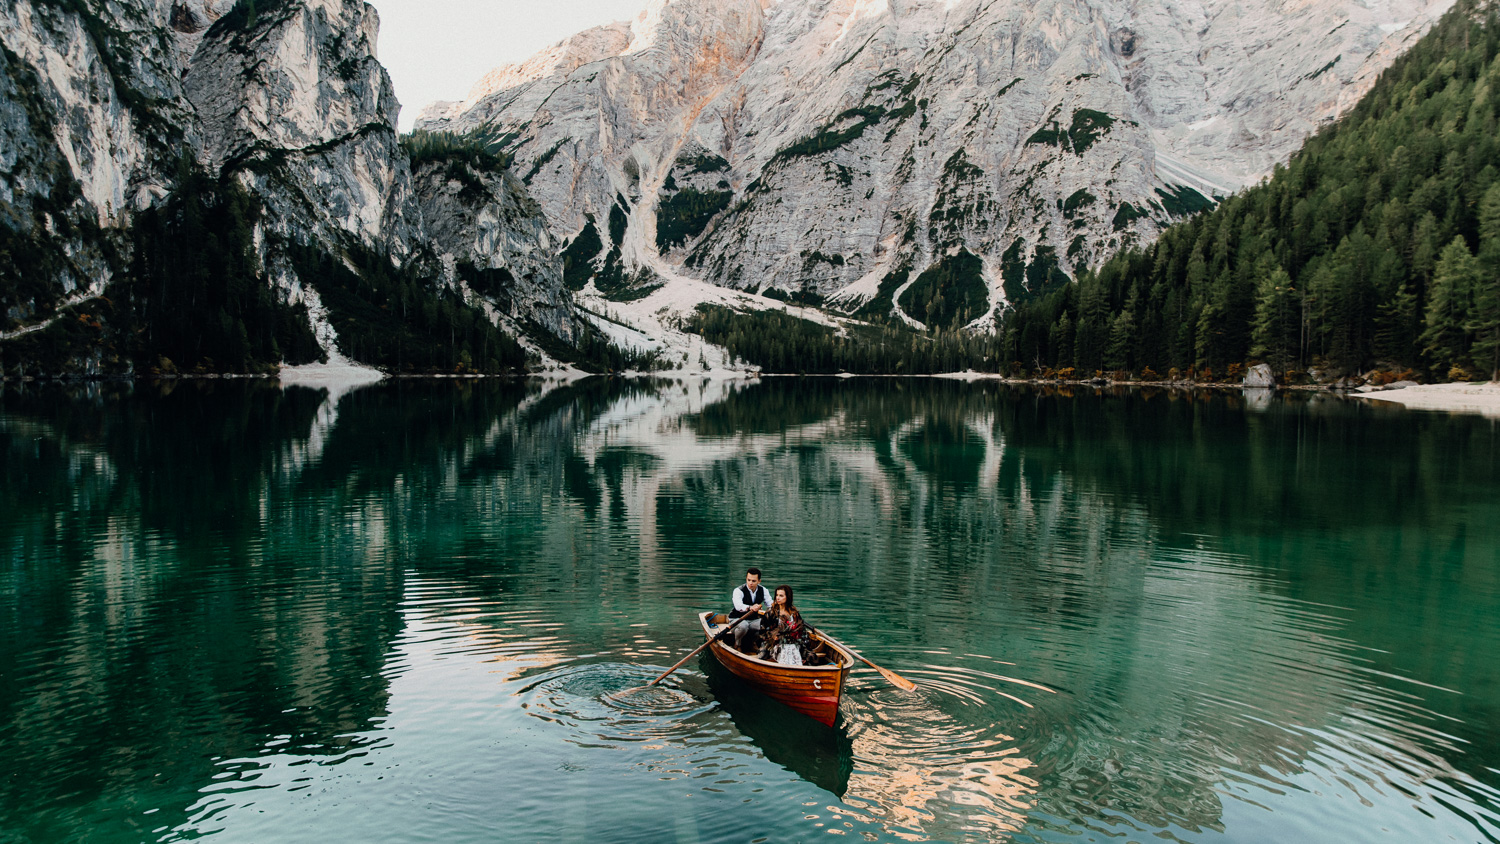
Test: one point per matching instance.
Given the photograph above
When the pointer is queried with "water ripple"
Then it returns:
(610, 703)
(945, 756)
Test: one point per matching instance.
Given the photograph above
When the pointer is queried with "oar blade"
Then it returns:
(891, 677)
(897, 680)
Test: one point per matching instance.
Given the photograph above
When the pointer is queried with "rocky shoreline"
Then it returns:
(1459, 397)
(1482, 398)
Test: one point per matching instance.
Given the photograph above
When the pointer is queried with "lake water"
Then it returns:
(417, 611)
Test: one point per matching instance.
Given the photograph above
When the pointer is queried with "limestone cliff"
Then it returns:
(89, 110)
(494, 242)
(839, 148)
(106, 108)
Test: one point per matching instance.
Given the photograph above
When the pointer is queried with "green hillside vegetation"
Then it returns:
(685, 214)
(196, 289)
(1023, 281)
(34, 255)
(1087, 127)
(543, 160)
(1378, 244)
(397, 319)
(878, 309)
(246, 15)
(701, 162)
(493, 283)
(579, 254)
(780, 342)
(592, 351)
(423, 146)
(190, 297)
(581, 264)
(950, 293)
(828, 137)
(463, 157)
(195, 299)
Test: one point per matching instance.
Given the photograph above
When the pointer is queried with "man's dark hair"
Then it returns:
(753, 570)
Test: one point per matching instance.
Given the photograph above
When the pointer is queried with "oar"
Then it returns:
(895, 679)
(698, 649)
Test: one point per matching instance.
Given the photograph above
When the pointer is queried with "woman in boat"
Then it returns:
(787, 639)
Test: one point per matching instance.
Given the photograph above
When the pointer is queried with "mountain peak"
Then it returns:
(1081, 127)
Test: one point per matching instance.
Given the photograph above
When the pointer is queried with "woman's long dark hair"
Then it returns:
(789, 608)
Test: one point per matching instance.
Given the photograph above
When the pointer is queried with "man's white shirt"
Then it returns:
(739, 604)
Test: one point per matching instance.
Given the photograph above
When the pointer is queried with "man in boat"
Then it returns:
(749, 599)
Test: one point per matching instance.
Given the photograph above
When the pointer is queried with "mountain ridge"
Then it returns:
(841, 122)
(281, 114)
(1374, 251)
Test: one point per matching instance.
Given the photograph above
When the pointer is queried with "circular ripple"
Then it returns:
(611, 702)
(652, 700)
(925, 726)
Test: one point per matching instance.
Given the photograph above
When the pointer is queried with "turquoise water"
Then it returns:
(423, 611)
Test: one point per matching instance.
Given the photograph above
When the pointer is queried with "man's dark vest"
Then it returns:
(747, 598)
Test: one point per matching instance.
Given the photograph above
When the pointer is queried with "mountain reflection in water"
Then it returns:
(290, 615)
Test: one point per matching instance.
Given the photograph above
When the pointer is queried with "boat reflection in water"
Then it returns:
(953, 779)
(821, 755)
(917, 791)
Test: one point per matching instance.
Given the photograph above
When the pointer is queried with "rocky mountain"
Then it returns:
(221, 186)
(925, 160)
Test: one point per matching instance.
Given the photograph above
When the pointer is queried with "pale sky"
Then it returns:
(438, 49)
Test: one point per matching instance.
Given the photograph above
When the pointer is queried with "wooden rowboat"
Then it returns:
(813, 690)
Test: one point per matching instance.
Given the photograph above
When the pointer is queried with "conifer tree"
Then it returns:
(1062, 340)
(1121, 332)
(1210, 332)
(1093, 329)
(1484, 321)
(1397, 326)
(1425, 247)
(1444, 339)
(1277, 313)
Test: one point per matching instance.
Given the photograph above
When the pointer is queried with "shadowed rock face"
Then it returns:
(85, 117)
(101, 106)
(863, 136)
(296, 103)
(313, 132)
(494, 240)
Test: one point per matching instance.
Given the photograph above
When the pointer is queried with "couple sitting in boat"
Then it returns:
(775, 629)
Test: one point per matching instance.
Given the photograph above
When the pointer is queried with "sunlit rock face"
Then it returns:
(826, 145)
